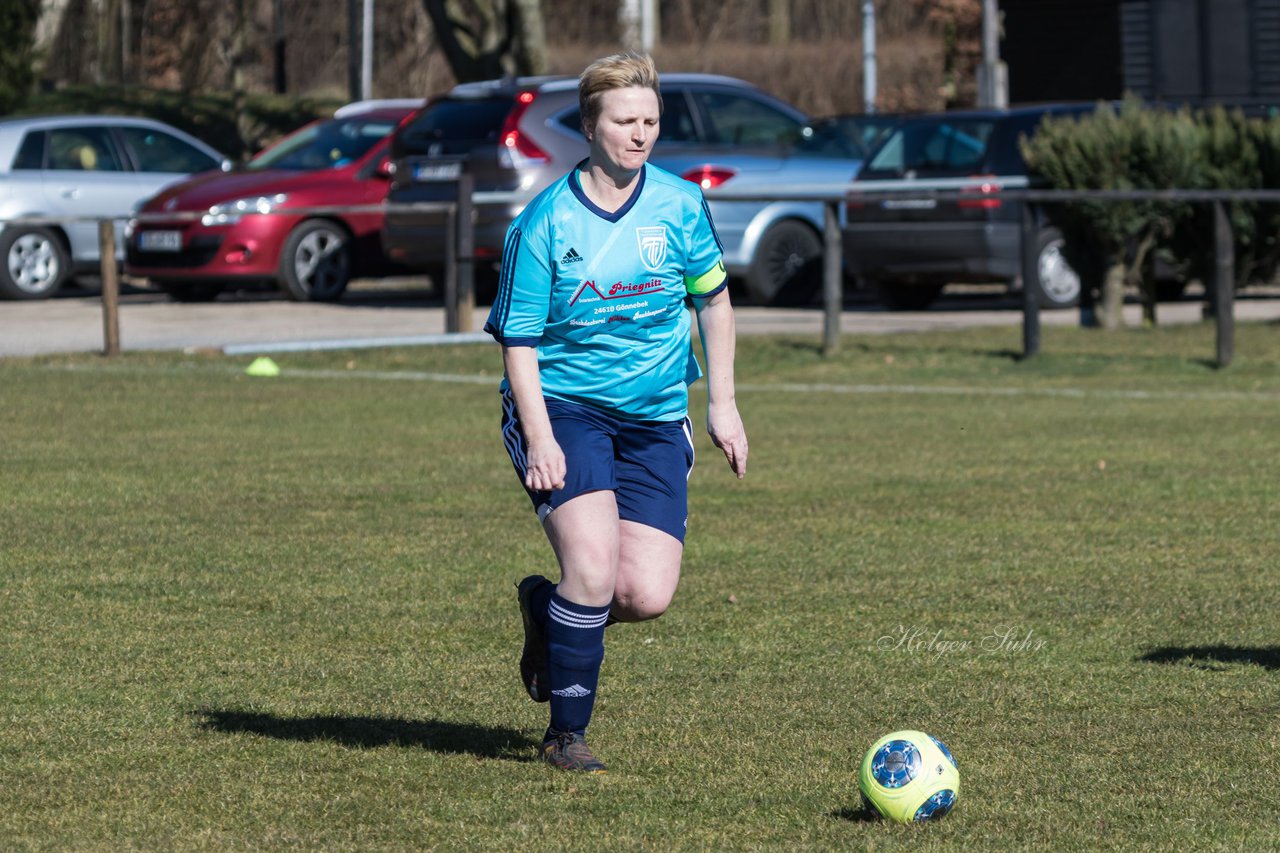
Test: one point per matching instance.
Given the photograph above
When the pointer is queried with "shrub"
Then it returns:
(1143, 148)
(1134, 148)
(1239, 153)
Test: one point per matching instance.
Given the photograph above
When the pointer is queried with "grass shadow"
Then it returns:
(1208, 657)
(364, 732)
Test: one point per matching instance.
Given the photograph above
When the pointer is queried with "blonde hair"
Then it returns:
(619, 71)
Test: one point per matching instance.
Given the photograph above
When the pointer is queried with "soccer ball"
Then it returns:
(909, 776)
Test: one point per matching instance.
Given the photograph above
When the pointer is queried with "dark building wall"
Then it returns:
(1062, 50)
(1195, 50)
(1199, 51)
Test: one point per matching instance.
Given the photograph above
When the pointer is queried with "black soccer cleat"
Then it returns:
(534, 670)
(569, 751)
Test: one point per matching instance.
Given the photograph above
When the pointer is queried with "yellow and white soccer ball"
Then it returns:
(909, 776)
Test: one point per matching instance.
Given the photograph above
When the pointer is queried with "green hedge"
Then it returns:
(1137, 147)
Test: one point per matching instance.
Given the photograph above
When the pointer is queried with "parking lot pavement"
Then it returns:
(151, 321)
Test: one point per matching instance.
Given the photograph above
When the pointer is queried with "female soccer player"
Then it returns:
(595, 338)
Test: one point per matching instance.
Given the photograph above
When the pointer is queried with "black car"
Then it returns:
(952, 223)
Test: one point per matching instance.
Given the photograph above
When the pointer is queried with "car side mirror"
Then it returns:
(386, 169)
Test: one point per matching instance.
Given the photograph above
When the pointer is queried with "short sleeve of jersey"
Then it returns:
(704, 272)
(519, 312)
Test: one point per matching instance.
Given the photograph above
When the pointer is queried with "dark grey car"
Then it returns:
(910, 248)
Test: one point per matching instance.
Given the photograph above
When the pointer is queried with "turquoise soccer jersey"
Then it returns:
(601, 295)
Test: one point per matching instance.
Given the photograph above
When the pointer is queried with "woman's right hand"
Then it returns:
(545, 466)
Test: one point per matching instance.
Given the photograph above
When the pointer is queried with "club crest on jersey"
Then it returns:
(653, 246)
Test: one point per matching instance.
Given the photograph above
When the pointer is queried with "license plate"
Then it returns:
(911, 204)
(160, 241)
(437, 171)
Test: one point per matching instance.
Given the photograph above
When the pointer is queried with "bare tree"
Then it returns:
(482, 39)
(531, 43)
(53, 15)
(110, 41)
(779, 21)
(237, 53)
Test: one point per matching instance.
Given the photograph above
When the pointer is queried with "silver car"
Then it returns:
(517, 136)
(71, 172)
(774, 247)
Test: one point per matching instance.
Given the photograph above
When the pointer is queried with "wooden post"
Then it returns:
(1224, 284)
(110, 288)
(832, 284)
(464, 222)
(451, 271)
(1030, 290)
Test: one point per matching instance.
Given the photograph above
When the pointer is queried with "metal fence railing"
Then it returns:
(459, 283)
(1220, 291)
(459, 287)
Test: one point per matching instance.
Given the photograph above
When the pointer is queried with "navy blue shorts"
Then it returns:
(646, 464)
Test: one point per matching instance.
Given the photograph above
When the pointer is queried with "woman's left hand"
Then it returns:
(724, 424)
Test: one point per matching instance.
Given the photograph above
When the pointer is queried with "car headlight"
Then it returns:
(229, 212)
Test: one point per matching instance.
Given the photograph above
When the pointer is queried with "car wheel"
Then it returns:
(900, 296)
(36, 263)
(190, 291)
(315, 265)
(787, 267)
(1057, 285)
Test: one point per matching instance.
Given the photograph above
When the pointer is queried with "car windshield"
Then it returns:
(951, 147)
(827, 139)
(327, 145)
(858, 134)
(452, 126)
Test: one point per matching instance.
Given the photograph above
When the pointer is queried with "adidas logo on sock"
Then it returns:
(571, 257)
(577, 691)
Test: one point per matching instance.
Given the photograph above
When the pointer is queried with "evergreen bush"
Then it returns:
(1139, 147)
(1132, 148)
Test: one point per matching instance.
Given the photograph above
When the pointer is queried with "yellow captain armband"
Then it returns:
(707, 283)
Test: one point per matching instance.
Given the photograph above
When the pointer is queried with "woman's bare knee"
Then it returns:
(639, 607)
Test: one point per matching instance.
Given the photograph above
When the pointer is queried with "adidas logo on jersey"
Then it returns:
(577, 691)
(571, 257)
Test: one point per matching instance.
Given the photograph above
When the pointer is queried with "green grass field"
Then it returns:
(241, 613)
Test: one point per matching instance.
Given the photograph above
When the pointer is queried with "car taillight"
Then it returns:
(708, 177)
(981, 196)
(517, 148)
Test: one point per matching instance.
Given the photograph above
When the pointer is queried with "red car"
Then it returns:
(246, 233)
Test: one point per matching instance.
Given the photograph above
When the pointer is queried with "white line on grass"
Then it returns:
(760, 388)
(991, 391)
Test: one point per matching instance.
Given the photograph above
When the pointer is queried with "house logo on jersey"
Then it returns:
(653, 246)
(617, 290)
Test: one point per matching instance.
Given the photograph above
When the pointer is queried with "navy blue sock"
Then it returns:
(575, 650)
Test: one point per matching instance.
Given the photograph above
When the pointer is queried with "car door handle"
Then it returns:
(70, 192)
